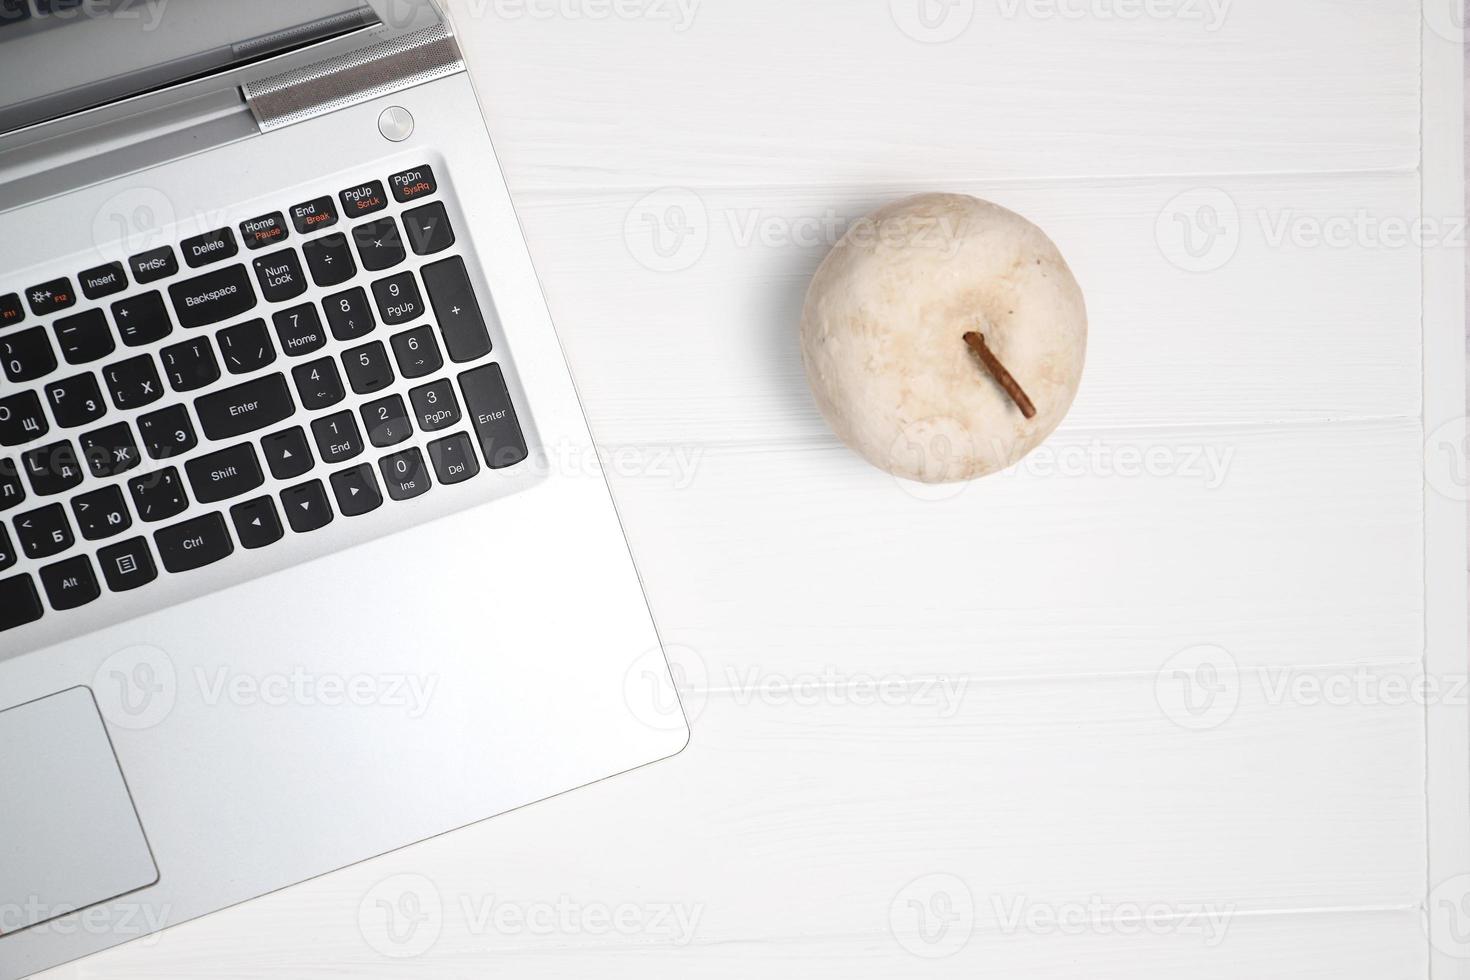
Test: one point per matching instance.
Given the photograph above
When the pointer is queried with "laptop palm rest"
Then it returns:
(69, 835)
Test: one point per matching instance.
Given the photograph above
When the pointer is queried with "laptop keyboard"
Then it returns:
(215, 382)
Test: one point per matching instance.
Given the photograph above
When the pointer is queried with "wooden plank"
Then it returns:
(767, 92)
(1286, 328)
(1305, 551)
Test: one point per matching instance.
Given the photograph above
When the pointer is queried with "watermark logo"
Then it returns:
(668, 230)
(939, 451)
(1449, 19)
(647, 693)
(136, 688)
(1447, 459)
(133, 221)
(933, 917)
(1447, 917)
(1199, 230)
(671, 923)
(409, 693)
(402, 917)
(1102, 918)
(933, 21)
(833, 688)
(1209, 14)
(1199, 688)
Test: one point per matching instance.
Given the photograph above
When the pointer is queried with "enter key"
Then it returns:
(493, 416)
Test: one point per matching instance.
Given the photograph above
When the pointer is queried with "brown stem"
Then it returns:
(998, 371)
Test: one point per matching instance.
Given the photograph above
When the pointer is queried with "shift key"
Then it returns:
(493, 415)
(213, 297)
(460, 320)
(244, 408)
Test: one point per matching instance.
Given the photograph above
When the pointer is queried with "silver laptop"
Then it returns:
(305, 552)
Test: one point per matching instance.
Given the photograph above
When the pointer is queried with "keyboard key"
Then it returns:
(379, 245)
(493, 416)
(399, 300)
(454, 458)
(110, 451)
(314, 215)
(84, 337)
(435, 406)
(257, 524)
(330, 259)
(76, 401)
(167, 433)
(159, 495)
(190, 365)
(212, 297)
(263, 231)
(280, 276)
(224, 474)
(246, 407)
(319, 384)
(287, 453)
(8, 555)
(127, 565)
(465, 334)
(154, 264)
(53, 469)
(20, 603)
(142, 319)
(133, 383)
(12, 489)
(306, 507)
(70, 584)
(102, 513)
(194, 543)
(12, 311)
(212, 246)
(368, 369)
(27, 355)
(356, 491)
(300, 330)
(364, 199)
(428, 229)
(337, 438)
(349, 315)
(417, 352)
(21, 419)
(246, 347)
(52, 296)
(413, 184)
(386, 421)
(43, 533)
(103, 280)
(404, 474)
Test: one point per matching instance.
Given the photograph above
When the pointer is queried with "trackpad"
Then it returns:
(69, 836)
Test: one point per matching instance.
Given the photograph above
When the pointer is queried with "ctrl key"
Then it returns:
(194, 543)
(20, 603)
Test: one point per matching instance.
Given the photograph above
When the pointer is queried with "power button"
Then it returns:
(396, 124)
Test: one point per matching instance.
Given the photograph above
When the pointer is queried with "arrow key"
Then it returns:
(306, 507)
(257, 523)
(287, 453)
(357, 491)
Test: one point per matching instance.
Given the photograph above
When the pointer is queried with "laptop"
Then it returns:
(305, 551)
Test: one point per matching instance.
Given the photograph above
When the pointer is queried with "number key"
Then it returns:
(417, 352)
(337, 437)
(349, 315)
(300, 330)
(318, 384)
(367, 367)
(27, 355)
(386, 421)
(435, 405)
(398, 298)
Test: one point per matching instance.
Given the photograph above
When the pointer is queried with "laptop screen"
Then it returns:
(61, 56)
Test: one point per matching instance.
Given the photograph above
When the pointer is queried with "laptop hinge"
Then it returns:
(380, 69)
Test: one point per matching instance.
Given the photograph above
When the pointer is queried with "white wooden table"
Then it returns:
(1128, 711)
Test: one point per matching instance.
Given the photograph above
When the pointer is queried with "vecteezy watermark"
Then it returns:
(1447, 459)
(932, 21)
(1199, 230)
(665, 687)
(136, 688)
(835, 688)
(933, 917)
(403, 917)
(1450, 19)
(410, 693)
(1447, 917)
(1096, 917)
(147, 13)
(123, 920)
(1198, 688)
(1209, 14)
(668, 230)
(678, 14)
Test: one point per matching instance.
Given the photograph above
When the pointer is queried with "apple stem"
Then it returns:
(1000, 374)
